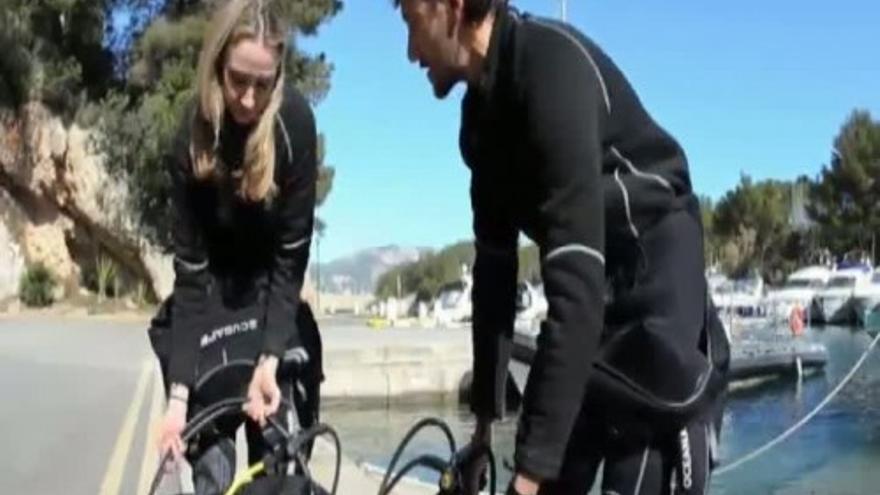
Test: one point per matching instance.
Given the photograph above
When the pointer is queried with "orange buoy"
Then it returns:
(796, 320)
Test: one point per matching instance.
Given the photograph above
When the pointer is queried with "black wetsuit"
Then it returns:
(561, 149)
(242, 250)
(239, 268)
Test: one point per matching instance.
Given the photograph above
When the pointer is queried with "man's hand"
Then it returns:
(264, 396)
(475, 473)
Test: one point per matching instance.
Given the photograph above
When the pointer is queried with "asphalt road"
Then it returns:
(82, 397)
(79, 398)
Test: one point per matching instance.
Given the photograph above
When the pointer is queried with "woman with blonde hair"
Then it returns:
(243, 173)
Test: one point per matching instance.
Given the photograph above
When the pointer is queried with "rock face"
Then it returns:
(11, 256)
(61, 208)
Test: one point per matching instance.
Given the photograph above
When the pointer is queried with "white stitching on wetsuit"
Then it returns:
(641, 472)
(576, 248)
(632, 226)
(286, 138)
(589, 57)
(295, 244)
(189, 266)
(635, 171)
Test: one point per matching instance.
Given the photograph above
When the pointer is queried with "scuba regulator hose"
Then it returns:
(294, 443)
(451, 470)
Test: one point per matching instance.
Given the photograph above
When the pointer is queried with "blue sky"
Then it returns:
(752, 86)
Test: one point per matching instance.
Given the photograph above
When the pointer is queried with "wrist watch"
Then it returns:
(267, 357)
(179, 392)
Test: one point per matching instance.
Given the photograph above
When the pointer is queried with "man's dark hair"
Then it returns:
(474, 10)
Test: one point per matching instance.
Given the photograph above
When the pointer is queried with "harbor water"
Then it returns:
(837, 453)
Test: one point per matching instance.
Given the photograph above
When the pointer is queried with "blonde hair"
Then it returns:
(237, 20)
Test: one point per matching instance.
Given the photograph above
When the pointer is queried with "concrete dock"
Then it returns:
(393, 364)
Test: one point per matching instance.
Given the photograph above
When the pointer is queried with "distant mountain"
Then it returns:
(359, 272)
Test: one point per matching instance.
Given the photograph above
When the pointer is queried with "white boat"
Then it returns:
(531, 308)
(866, 299)
(715, 278)
(834, 303)
(453, 303)
(743, 297)
(798, 291)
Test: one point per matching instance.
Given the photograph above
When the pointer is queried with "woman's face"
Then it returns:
(248, 79)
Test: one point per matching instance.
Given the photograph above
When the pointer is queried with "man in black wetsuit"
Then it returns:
(631, 359)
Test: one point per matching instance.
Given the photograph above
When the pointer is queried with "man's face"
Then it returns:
(431, 26)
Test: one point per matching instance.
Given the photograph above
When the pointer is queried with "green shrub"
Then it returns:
(36, 286)
(106, 276)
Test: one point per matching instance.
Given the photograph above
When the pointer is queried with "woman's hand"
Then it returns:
(172, 426)
(263, 394)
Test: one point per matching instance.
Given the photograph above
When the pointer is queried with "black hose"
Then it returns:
(199, 421)
(296, 453)
(493, 475)
(428, 460)
(450, 471)
(424, 423)
(296, 443)
(219, 408)
(312, 433)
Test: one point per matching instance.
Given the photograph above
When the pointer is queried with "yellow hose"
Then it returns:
(245, 477)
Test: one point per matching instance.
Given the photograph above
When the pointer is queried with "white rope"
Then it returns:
(787, 433)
